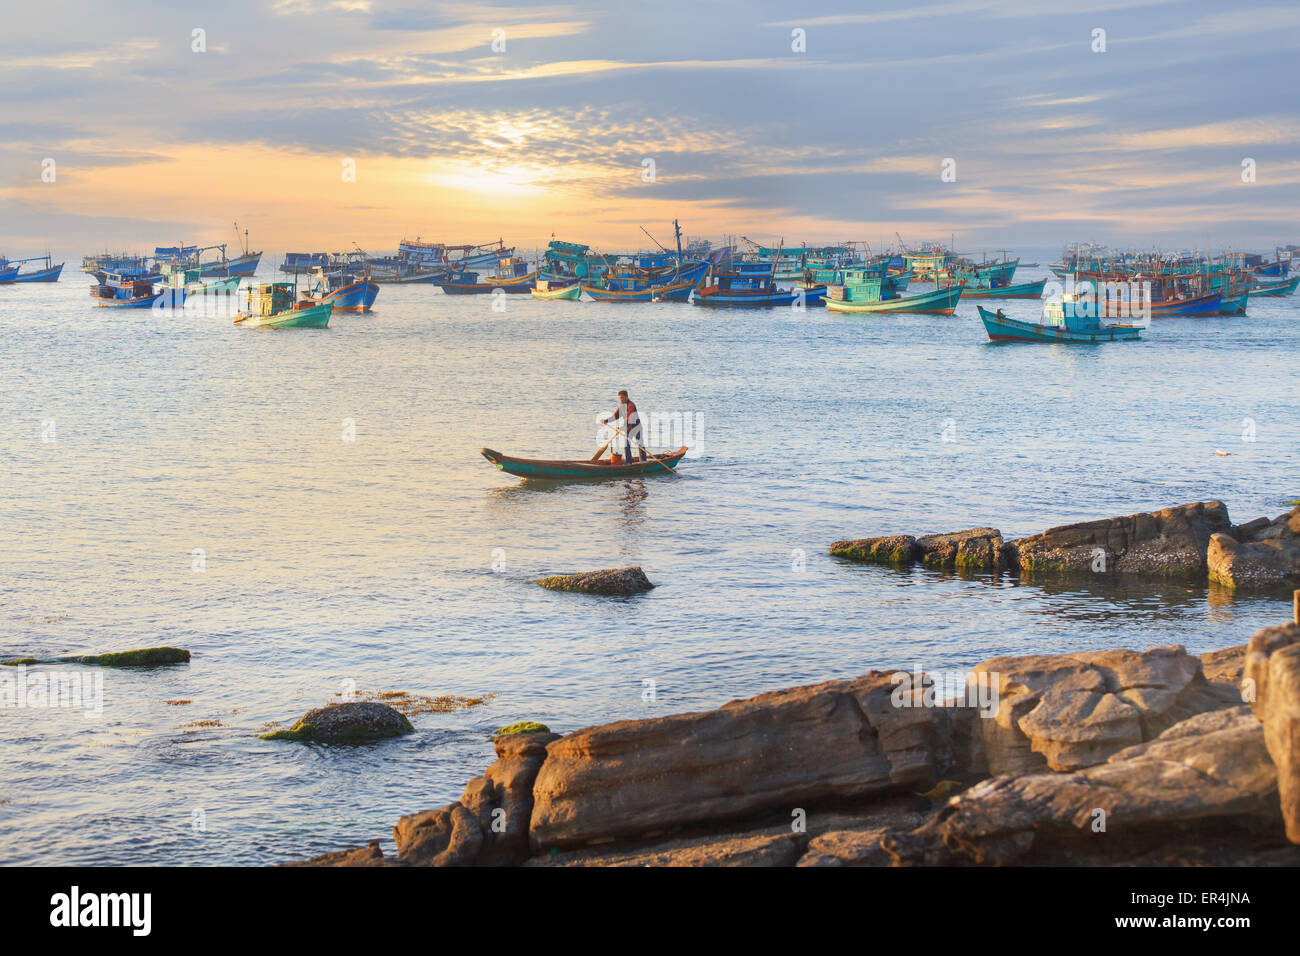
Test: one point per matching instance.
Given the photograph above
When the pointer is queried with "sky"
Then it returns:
(324, 124)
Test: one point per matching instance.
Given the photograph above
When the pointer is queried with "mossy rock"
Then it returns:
(143, 657)
(355, 722)
(612, 582)
(20, 662)
(897, 550)
(523, 727)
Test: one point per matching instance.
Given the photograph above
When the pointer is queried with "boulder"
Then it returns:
(611, 582)
(447, 837)
(1066, 711)
(894, 549)
(1264, 562)
(1168, 543)
(764, 849)
(977, 549)
(354, 722)
(1204, 778)
(502, 799)
(783, 751)
(141, 657)
(1273, 665)
(1224, 666)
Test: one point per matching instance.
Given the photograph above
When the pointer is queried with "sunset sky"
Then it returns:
(155, 143)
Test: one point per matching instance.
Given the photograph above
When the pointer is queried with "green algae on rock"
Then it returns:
(142, 657)
(522, 727)
(356, 722)
(894, 549)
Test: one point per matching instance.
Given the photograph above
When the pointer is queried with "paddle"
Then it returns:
(644, 449)
(596, 457)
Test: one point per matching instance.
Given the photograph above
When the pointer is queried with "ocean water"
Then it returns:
(307, 511)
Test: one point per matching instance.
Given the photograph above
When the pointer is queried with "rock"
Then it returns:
(779, 849)
(1265, 562)
(447, 837)
(1207, 776)
(897, 549)
(1167, 543)
(1273, 665)
(361, 856)
(1066, 711)
(847, 848)
(1247, 531)
(1224, 666)
(355, 722)
(143, 657)
(507, 787)
(978, 549)
(783, 751)
(621, 581)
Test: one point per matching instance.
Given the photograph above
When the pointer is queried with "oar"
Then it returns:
(644, 449)
(596, 457)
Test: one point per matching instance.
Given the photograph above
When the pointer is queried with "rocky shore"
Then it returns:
(1105, 757)
(1093, 758)
(1192, 542)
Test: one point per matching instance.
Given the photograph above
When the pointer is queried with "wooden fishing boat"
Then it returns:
(343, 290)
(752, 285)
(671, 292)
(50, 273)
(1021, 290)
(1286, 287)
(537, 469)
(275, 305)
(557, 289)
(941, 301)
(1061, 325)
(512, 276)
(125, 292)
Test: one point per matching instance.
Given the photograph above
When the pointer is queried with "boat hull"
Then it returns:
(939, 302)
(357, 297)
(242, 266)
(1022, 290)
(516, 286)
(569, 293)
(675, 292)
(760, 299)
(1276, 288)
(542, 470)
(40, 275)
(312, 317)
(1002, 328)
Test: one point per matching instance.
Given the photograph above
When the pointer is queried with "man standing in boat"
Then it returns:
(628, 419)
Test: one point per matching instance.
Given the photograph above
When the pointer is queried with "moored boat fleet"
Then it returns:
(1093, 286)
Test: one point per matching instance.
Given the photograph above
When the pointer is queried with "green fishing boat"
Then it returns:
(557, 289)
(865, 295)
(275, 305)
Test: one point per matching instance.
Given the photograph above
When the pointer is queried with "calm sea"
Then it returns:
(307, 511)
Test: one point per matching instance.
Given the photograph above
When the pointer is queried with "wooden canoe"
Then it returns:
(564, 470)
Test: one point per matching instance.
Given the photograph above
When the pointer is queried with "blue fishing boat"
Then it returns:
(125, 292)
(752, 285)
(124, 265)
(604, 291)
(1060, 324)
(8, 274)
(346, 291)
(50, 273)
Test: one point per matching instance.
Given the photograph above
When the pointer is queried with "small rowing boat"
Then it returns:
(538, 469)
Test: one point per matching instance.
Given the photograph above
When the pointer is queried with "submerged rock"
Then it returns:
(522, 727)
(1273, 665)
(895, 549)
(610, 582)
(143, 657)
(355, 722)
(1167, 543)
